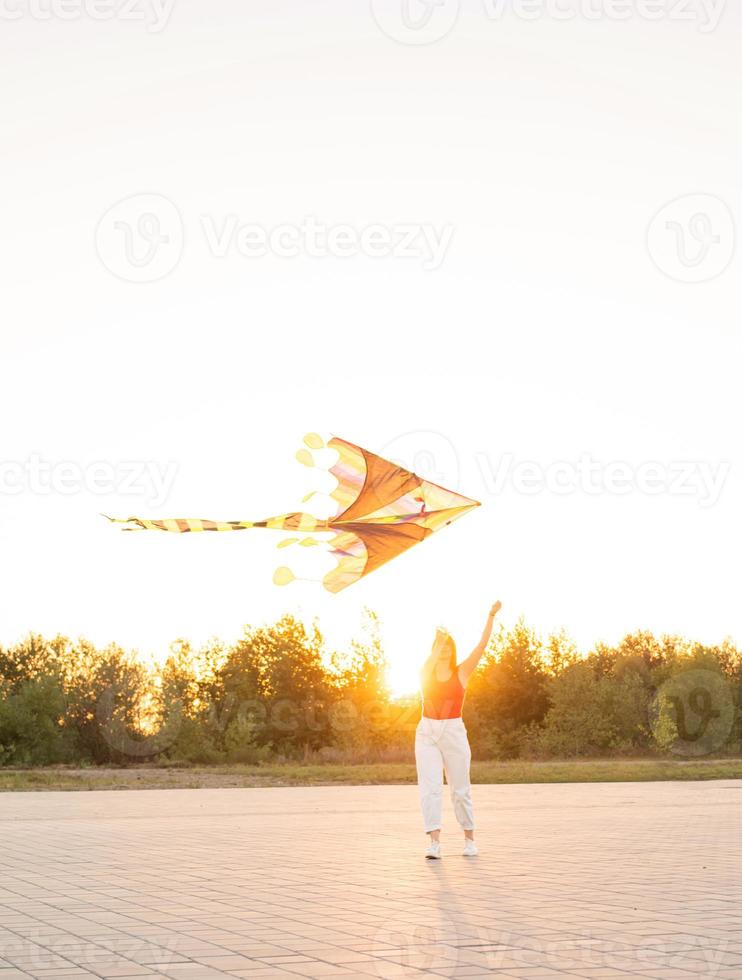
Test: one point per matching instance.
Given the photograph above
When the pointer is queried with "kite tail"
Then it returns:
(286, 522)
(179, 525)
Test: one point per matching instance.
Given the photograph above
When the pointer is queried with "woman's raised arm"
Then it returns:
(468, 666)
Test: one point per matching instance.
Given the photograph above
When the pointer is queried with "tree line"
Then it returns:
(278, 694)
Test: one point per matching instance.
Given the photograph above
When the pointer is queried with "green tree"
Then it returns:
(275, 677)
(32, 724)
(107, 694)
(362, 717)
(508, 693)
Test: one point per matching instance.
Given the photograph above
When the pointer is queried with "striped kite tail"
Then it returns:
(179, 525)
(286, 522)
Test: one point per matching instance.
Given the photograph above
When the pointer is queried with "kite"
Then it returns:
(382, 511)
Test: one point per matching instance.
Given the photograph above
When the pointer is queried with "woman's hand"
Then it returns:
(497, 606)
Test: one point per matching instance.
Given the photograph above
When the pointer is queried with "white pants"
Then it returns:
(443, 745)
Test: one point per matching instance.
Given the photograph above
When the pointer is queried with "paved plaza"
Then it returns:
(606, 880)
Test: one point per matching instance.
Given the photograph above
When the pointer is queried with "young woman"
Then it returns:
(440, 739)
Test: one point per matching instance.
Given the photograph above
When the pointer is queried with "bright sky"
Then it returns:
(539, 320)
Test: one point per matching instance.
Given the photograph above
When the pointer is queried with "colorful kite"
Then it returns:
(382, 511)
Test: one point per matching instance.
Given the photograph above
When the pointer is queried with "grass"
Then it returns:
(239, 776)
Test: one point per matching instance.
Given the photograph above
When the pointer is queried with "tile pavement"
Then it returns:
(573, 881)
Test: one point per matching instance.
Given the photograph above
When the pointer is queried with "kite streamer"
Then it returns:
(382, 510)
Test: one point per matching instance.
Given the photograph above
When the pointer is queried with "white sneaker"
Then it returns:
(470, 849)
(433, 852)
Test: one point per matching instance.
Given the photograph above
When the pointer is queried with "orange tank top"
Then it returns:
(443, 699)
